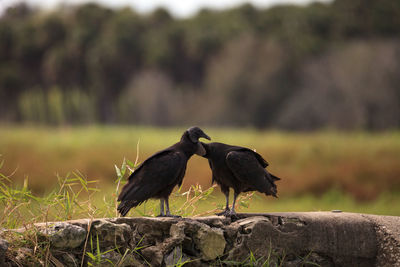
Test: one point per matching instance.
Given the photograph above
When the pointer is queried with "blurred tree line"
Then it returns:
(334, 65)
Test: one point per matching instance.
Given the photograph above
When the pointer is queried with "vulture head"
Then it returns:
(194, 133)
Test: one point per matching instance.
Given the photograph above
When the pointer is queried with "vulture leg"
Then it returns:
(167, 212)
(233, 212)
(227, 210)
(162, 208)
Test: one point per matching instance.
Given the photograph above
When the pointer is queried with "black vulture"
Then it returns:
(239, 168)
(157, 176)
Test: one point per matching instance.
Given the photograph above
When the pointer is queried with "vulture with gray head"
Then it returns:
(239, 168)
(157, 176)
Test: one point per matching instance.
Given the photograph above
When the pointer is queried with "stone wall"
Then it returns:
(282, 239)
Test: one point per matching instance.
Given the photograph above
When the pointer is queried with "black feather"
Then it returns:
(239, 168)
(157, 176)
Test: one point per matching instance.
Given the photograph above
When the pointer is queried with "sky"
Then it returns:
(179, 8)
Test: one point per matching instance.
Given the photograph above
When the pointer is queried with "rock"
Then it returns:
(293, 263)
(214, 221)
(210, 241)
(254, 235)
(148, 232)
(177, 230)
(23, 254)
(199, 263)
(153, 255)
(65, 235)
(388, 238)
(316, 259)
(69, 260)
(111, 234)
(3, 249)
(286, 239)
(176, 257)
(113, 258)
(344, 239)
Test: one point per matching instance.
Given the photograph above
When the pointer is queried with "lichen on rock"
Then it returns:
(3, 249)
(210, 241)
(64, 235)
(111, 234)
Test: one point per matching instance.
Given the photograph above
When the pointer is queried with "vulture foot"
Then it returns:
(225, 213)
(228, 213)
(170, 216)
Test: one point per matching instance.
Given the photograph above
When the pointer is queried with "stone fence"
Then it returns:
(273, 239)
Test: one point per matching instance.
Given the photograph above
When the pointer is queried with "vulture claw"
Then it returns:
(174, 216)
(225, 213)
(170, 216)
(232, 214)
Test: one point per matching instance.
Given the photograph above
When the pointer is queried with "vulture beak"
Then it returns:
(206, 136)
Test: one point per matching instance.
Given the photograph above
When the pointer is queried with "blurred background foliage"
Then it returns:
(324, 65)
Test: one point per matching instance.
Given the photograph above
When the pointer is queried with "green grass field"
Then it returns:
(355, 172)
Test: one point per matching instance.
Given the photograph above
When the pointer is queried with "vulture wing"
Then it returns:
(155, 155)
(246, 166)
(212, 171)
(153, 175)
(259, 158)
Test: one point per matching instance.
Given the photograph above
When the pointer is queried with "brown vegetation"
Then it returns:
(361, 164)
